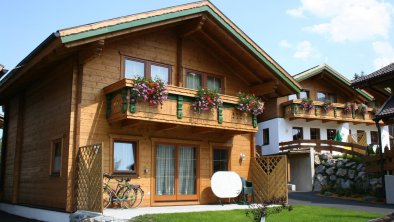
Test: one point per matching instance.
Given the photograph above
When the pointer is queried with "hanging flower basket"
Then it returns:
(327, 106)
(206, 100)
(348, 107)
(250, 103)
(145, 89)
(307, 104)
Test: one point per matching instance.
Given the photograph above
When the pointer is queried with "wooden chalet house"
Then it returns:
(73, 90)
(326, 114)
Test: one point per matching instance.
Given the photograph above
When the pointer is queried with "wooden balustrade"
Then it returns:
(328, 145)
(373, 162)
(176, 110)
(293, 110)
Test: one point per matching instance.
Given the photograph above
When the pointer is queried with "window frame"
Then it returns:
(319, 133)
(302, 132)
(52, 163)
(298, 95)
(266, 142)
(136, 158)
(204, 79)
(147, 67)
(320, 92)
(228, 149)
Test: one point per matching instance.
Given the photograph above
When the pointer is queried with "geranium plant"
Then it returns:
(146, 89)
(250, 103)
(348, 107)
(307, 104)
(206, 100)
(327, 105)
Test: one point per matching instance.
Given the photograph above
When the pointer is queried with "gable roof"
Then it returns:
(83, 33)
(318, 69)
(387, 110)
(380, 75)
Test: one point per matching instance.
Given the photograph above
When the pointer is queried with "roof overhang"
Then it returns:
(85, 34)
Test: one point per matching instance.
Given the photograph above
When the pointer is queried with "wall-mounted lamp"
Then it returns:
(242, 156)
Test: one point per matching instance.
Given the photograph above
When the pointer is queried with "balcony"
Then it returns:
(177, 109)
(293, 110)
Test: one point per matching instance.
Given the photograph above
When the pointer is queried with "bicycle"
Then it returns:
(121, 195)
(137, 191)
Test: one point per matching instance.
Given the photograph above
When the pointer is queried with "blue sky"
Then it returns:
(349, 35)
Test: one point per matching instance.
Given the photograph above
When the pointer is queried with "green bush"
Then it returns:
(143, 218)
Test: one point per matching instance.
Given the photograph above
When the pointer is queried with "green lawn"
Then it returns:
(298, 214)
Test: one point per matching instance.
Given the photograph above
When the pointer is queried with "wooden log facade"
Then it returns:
(64, 98)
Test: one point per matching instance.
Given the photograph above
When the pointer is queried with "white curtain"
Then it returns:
(165, 169)
(134, 69)
(123, 156)
(193, 80)
(187, 170)
(160, 72)
(213, 83)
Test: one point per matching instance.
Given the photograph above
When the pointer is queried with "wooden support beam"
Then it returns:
(179, 61)
(166, 126)
(18, 149)
(202, 130)
(130, 122)
(265, 88)
(192, 27)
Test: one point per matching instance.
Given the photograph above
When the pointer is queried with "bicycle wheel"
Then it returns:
(127, 197)
(107, 197)
(139, 193)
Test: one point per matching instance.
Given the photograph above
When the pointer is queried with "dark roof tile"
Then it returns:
(387, 70)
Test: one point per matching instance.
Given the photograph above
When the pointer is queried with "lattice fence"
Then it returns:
(88, 179)
(269, 176)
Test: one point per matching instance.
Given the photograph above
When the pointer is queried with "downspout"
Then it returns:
(4, 148)
(381, 155)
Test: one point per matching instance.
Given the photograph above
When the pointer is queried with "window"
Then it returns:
(315, 134)
(332, 97)
(320, 96)
(56, 161)
(298, 133)
(301, 95)
(374, 137)
(214, 83)
(391, 133)
(193, 80)
(160, 72)
(220, 159)
(140, 68)
(304, 95)
(293, 97)
(331, 134)
(266, 136)
(196, 80)
(124, 157)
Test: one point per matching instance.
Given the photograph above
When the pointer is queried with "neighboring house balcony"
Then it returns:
(176, 110)
(337, 112)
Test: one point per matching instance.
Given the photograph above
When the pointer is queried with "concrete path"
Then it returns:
(129, 213)
(310, 198)
(5, 217)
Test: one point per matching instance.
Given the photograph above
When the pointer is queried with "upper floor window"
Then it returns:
(315, 134)
(301, 95)
(332, 97)
(141, 68)
(196, 80)
(320, 96)
(298, 133)
(331, 133)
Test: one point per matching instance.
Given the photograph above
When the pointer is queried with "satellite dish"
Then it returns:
(226, 184)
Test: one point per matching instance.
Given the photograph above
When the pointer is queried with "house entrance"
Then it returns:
(176, 172)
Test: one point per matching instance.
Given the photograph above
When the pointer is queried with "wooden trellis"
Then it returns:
(269, 176)
(88, 179)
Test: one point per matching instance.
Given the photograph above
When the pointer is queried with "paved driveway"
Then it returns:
(310, 198)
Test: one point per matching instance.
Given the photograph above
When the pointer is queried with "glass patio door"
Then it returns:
(176, 172)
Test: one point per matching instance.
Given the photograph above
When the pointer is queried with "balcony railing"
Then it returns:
(177, 109)
(293, 110)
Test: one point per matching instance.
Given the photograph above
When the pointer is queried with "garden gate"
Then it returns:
(269, 177)
(88, 179)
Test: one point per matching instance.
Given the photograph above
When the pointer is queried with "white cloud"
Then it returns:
(285, 44)
(348, 20)
(384, 54)
(296, 12)
(305, 50)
